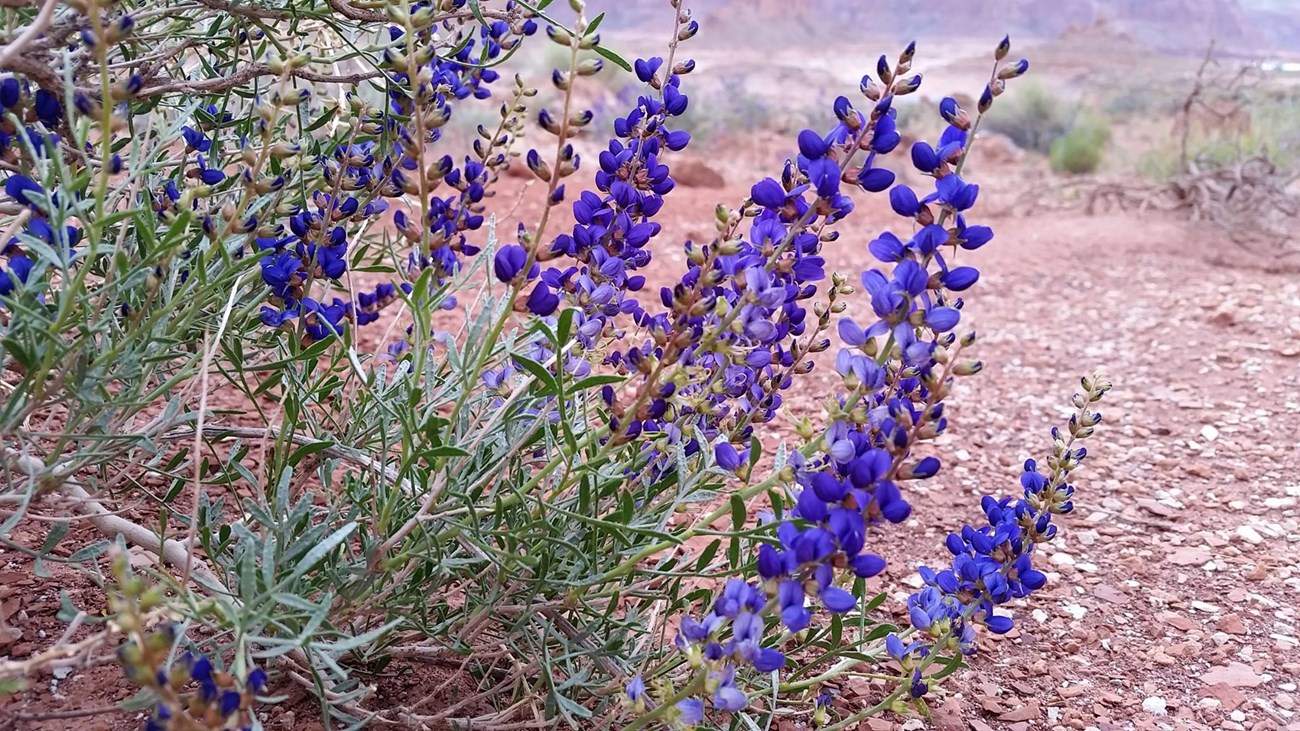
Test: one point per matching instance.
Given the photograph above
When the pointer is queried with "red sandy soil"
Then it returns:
(1173, 592)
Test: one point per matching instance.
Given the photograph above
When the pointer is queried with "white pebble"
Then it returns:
(1249, 535)
(1154, 705)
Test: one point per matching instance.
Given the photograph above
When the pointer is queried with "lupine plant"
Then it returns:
(509, 453)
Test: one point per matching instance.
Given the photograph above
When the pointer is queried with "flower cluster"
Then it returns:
(355, 182)
(19, 262)
(729, 342)
(218, 701)
(896, 371)
(614, 223)
(28, 118)
(993, 564)
(190, 693)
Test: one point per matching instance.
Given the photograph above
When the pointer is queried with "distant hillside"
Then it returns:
(1174, 26)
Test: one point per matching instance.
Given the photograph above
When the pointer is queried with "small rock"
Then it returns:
(1155, 705)
(1062, 559)
(1189, 556)
(947, 717)
(1249, 535)
(696, 174)
(1028, 712)
(1108, 593)
(1156, 508)
(1232, 624)
(990, 704)
(1209, 433)
(1234, 674)
(1237, 716)
(1223, 318)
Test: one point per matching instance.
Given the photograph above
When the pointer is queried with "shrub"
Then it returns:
(1081, 149)
(213, 198)
(1034, 118)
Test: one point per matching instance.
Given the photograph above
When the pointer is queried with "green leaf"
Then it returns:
(950, 667)
(614, 58)
(307, 450)
(57, 532)
(879, 631)
(539, 370)
(88, 552)
(322, 549)
(598, 380)
(707, 555)
(444, 450)
(323, 120)
(477, 11)
(564, 327)
(874, 602)
(738, 514)
(594, 24)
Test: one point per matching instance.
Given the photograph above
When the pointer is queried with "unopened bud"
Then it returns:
(559, 35)
(590, 67)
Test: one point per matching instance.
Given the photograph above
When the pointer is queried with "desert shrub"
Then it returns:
(1034, 118)
(464, 445)
(1273, 134)
(1081, 149)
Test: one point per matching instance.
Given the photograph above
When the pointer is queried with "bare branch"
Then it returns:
(29, 34)
(243, 76)
(248, 11)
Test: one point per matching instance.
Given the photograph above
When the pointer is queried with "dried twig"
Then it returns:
(39, 24)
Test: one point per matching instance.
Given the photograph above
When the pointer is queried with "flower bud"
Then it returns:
(907, 86)
(1014, 70)
(590, 67)
(559, 35)
(1004, 47)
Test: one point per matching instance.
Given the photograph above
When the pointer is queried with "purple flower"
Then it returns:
(904, 202)
(690, 711)
(959, 279)
(542, 301)
(19, 186)
(768, 193)
(812, 145)
(509, 262)
(727, 456)
(837, 600)
(874, 180)
(924, 158)
(951, 190)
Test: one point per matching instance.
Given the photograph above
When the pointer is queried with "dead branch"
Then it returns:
(1249, 200)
